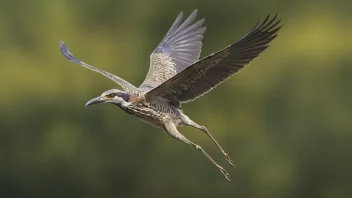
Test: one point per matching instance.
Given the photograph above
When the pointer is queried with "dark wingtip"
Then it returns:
(270, 25)
(265, 21)
(256, 25)
(67, 54)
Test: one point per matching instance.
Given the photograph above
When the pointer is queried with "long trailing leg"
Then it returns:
(171, 130)
(187, 121)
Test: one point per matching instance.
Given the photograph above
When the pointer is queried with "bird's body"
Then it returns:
(152, 113)
(176, 75)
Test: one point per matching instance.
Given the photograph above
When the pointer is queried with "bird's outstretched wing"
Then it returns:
(202, 76)
(128, 87)
(180, 47)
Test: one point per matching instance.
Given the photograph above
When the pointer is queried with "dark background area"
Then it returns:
(285, 120)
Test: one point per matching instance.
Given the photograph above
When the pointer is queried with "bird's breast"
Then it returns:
(151, 113)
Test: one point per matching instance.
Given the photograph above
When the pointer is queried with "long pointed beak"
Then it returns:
(95, 101)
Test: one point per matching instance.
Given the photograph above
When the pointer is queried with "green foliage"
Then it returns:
(285, 119)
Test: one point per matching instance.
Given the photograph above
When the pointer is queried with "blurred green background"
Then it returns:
(285, 120)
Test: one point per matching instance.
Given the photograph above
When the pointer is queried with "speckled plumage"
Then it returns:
(153, 113)
(176, 75)
(161, 69)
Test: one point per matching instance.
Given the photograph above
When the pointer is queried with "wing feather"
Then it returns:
(204, 75)
(128, 87)
(180, 47)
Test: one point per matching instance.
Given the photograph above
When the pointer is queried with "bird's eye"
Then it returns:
(111, 95)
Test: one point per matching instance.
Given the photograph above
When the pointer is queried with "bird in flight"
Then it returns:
(176, 75)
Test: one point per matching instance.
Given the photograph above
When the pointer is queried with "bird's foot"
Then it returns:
(227, 158)
(224, 173)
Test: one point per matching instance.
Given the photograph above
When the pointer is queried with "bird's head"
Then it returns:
(113, 96)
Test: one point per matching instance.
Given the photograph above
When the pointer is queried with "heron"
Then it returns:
(176, 75)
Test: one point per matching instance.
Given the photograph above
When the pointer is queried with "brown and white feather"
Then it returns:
(180, 47)
(204, 75)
